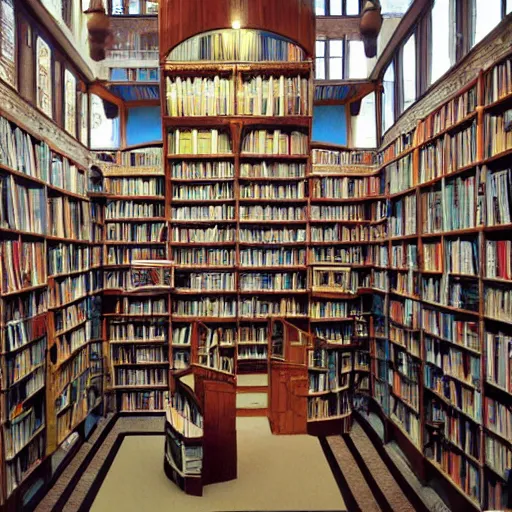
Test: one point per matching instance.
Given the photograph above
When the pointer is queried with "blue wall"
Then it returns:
(329, 124)
(143, 125)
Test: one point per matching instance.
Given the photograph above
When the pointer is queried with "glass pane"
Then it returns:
(486, 15)
(336, 48)
(357, 64)
(320, 7)
(320, 48)
(409, 72)
(320, 69)
(7, 42)
(44, 77)
(117, 7)
(70, 102)
(104, 132)
(134, 7)
(364, 128)
(388, 98)
(352, 7)
(335, 6)
(395, 6)
(441, 54)
(508, 8)
(84, 119)
(335, 68)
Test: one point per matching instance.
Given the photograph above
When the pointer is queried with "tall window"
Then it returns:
(442, 39)
(335, 59)
(7, 42)
(84, 118)
(320, 7)
(486, 15)
(388, 98)
(409, 72)
(364, 128)
(320, 63)
(104, 131)
(70, 102)
(357, 64)
(352, 7)
(44, 77)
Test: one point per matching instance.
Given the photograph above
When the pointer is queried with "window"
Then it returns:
(84, 118)
(486, 15)
(388, 98)
(70, 102)
(357, 65)
(335, 59)
(44, 77)
(442, 39)
(134, 7)
(104, 131)
(409, 72)
(336, 7)
(395, 6)
(508, 7)
(364, 128)
(320, 73)
(7, 42)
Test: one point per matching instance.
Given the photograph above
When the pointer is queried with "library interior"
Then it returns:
(255, 255)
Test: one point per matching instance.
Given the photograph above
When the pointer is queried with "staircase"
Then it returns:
(252, 394)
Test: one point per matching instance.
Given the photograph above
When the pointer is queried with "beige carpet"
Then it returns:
(274, 473)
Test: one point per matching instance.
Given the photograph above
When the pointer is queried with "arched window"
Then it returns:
(70, 102)
(44, 77)
(7, 42)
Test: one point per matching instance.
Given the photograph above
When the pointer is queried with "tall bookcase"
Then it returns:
(442, 372)
(135, 321)
(51, 358)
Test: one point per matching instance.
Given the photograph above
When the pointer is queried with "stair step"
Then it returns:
(252, 380)
(252, 400)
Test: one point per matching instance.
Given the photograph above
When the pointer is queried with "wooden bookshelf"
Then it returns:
(444, 321)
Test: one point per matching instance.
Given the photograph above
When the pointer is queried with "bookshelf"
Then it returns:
(441, 376)
(135, 321)
(50, 357)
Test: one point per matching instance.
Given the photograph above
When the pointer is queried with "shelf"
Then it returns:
(202, 156)
(259, 156)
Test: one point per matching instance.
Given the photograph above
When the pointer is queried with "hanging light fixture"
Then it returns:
(370, 25)
(98, 26)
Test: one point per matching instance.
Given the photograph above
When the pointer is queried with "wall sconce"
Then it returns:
(370, 25)
(98, 26)
(236, 25)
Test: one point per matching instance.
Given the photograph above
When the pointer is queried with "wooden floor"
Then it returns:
(274, 473)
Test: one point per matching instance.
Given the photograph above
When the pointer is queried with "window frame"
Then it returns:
(345, 59)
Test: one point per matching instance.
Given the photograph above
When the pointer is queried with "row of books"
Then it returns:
(402, 221)
(498, 259)
(348, 212)
(66, 258)
(271, 235)
(200, 96)
(243, 45)
(351, 255)
(330, 406)
(67, 176)
(274, 96)
(23, 265)
(23, 363)
(448, 154)
(123, 255)
(400, 145)
(147, 157)
(138, 355)
(275, 281)
(498, 81)
(334, 309)
(498, 303)
(146, 331)
(206, 192)
(498, 361)
(69, 218)
(354, 234)
(406, 418)
(140, 377)
(497, 134)
(135, 186)
(273, 191)
(450, 113)
(498, 196)
(399, 175)
(498, 456)
(185, 416)
(128, 209)
(275, 143)
(205, 281)
(342, 157)
(203, 257)
(346, 187)
(68, 289)
(135, 232)
(210, 213)
(405, 256)
(143, 400)
(272, 170)
(203, 170)
(451, 292)
(135, 306)
(272, 257)
(214, 234)
(198, 142)
(252, 352)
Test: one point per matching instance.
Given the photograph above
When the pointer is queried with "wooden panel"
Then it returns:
(220, 460)
(181, 19)
(288, 402)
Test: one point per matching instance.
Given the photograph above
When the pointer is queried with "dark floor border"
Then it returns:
(68, 491)
(402, 482)
(379, 496)
(87, 502)
(346, 493)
